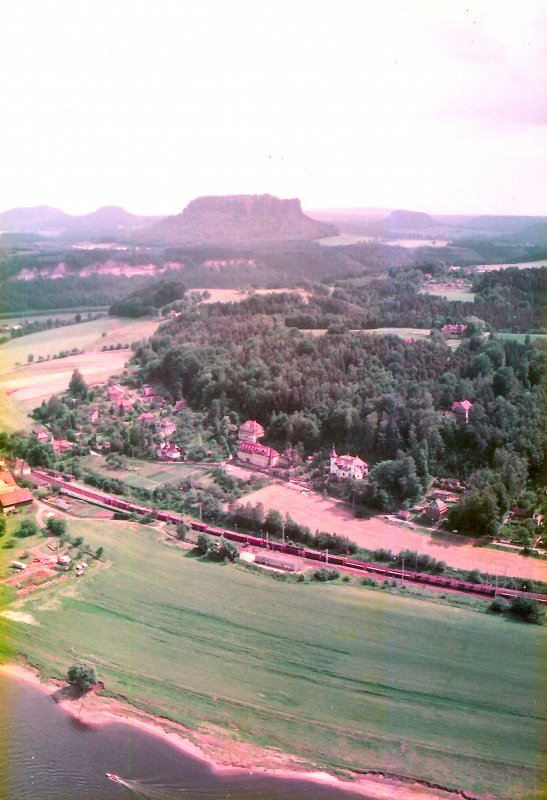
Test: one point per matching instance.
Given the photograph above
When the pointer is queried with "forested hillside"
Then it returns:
(377, 396)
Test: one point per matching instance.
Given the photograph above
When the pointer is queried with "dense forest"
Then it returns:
(380, 397)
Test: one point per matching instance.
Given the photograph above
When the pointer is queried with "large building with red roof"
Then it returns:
(11, 495)
(250, 451)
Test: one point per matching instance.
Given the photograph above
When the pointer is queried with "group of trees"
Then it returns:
(377, 396)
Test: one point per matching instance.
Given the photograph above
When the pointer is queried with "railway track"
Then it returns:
(387, 572)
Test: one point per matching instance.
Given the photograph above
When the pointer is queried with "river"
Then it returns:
(45, 754)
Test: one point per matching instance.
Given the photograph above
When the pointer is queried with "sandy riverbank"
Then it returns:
(223, 755)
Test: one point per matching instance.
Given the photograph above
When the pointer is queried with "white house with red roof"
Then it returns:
(348, 466)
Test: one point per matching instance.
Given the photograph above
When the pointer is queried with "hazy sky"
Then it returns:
(428, 105)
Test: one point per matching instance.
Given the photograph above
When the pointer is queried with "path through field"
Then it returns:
(335, 517)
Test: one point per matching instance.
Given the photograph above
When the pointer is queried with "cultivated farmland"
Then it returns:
(87, 336)
(343, 676)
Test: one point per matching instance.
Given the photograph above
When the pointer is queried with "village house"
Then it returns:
(436, 510)
(180, 405)
(61, 446)
(12, 496)
(168, 452)
(42, 435)
(462, 410)
(348, 466)
(116, 392)
(93, 415)
(124, 403)
(166, 427)
(20, 468)
(250, 451)
(147, 417)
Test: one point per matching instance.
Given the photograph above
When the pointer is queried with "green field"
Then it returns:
(460, 295)
(84, 336)
(344, 676)
(521, 337)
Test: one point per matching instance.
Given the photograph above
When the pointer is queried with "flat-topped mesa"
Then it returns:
(238, 220)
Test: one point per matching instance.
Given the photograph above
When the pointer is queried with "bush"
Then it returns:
(525, 609)
(324, 574)
(26, 528)
(182, 531)
(82, 675)
(203, 544)
(56, 527)
(369, 582)
(498, 606)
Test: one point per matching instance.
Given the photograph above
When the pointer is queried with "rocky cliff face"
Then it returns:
(237, 220)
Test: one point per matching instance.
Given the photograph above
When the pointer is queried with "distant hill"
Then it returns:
(105, 221)
(408, 220)
(33, 219)
(236, 221)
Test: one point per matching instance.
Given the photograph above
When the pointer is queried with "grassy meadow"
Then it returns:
(85, 336)
(343, 676)
(459, 295)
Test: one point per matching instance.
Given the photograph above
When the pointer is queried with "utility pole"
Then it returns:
(403, 573)
(283, 532)
(326, 556)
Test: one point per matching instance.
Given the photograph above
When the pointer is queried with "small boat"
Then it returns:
(112, 777)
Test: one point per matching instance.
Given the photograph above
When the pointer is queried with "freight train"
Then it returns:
(387, 572)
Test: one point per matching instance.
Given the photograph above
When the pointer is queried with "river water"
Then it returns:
(47, 755)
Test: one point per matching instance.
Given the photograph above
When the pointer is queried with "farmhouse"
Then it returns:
(347, 466)
(11, 496)
(250, 451)
(93, 415)
(146, 417)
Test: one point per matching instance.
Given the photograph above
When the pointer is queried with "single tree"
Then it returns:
(77, 386)
(82, 675)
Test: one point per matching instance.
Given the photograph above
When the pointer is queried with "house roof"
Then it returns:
(348, 461)
(252, 426)
(15, 497)
(255, 447)
(464, 405)
(6, 481)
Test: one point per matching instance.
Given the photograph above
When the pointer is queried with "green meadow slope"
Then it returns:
(347, 677)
